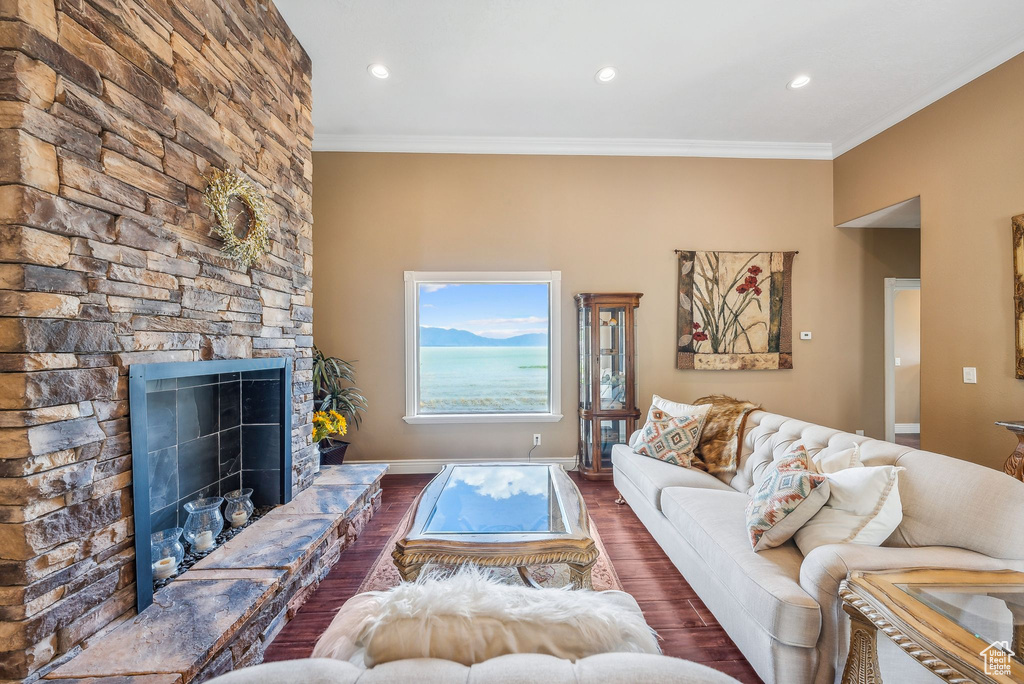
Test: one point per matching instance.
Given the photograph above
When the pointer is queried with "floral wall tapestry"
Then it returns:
(735, 310)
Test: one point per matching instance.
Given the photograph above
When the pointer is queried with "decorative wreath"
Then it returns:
(222, 186)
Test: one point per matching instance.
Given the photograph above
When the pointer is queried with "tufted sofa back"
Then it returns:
(946, 501)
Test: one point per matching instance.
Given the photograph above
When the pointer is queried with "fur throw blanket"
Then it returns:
(471, 616)
(721, 440)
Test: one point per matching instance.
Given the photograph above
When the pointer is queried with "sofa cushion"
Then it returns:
(651, 476)
(787, 497)
(304, 671)
(529, 668)
(766, 584)
(630, 668)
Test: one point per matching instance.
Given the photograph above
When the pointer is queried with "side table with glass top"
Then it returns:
(962, 625)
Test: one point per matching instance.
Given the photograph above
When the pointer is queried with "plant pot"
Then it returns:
(332, 453)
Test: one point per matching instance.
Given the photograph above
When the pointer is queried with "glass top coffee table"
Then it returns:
(964, 626)
(510, 515)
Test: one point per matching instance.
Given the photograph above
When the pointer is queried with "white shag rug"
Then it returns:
(471, 616)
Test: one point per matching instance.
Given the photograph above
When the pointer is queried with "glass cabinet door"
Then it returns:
(586, 358)
(586, 444)
(612, 388)
(612, 432)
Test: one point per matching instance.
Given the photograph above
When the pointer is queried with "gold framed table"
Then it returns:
(964, 626)
(510, 515)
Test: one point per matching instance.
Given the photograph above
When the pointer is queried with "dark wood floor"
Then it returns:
(687, 628)
(910, 439)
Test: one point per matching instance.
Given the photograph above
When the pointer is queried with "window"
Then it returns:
(482, 347)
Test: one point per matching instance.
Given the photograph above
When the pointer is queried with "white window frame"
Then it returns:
(413, 279)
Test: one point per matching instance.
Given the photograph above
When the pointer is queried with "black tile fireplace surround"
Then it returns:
(204, 429)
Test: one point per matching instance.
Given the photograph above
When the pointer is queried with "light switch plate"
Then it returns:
(970, 375)
(898, 362)
(806, 335)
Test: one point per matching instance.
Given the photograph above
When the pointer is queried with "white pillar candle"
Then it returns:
(238, 518)
(204, 540)
(164, 567)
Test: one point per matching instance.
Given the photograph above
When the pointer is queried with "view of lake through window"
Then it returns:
(483, 348)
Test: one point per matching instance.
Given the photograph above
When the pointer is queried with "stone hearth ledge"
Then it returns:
(223, 612)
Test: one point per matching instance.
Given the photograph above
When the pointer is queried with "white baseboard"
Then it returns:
(434, 465)
(908, 428)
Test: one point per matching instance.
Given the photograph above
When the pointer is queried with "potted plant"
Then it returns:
(338, 403)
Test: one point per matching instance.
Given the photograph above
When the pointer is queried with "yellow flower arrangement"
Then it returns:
(328, 423)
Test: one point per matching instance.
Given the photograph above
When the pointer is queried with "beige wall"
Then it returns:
(963, 156)
(609, 224)
(906, 314)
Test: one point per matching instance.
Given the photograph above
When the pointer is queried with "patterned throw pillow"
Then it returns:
(670, 438)
(788, 496)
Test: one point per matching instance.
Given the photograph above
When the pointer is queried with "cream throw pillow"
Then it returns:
(677, 409)
(863, 508)
(838, 460)
(470, 617)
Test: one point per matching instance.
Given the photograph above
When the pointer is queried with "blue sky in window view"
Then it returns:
(496, 310)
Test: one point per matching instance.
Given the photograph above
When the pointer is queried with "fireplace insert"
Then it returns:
(201, 430)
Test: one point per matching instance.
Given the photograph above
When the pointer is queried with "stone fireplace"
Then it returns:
(113, 115)
(203, 429)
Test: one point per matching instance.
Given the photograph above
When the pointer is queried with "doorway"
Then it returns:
(903, 361)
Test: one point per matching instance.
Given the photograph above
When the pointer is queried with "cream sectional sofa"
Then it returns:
(781, 608)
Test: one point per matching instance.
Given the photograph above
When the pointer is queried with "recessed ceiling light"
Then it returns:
(606, 75)
(378, 71)
(799, 82)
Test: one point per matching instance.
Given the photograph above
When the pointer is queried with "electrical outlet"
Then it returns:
(536, 439)
(806, 335)
(970, 375)
(898, 361)
(860, 432)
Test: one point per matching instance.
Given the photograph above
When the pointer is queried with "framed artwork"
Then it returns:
(1018, 289)
(735, 310)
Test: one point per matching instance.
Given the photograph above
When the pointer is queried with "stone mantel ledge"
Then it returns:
(246, 590)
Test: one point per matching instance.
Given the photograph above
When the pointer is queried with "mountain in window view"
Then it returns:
(451, 337)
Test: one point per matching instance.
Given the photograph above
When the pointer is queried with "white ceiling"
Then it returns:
(695, 78)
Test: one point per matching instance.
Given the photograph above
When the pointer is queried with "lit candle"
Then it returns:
(204, 541)
(164, 567)
(239, 517)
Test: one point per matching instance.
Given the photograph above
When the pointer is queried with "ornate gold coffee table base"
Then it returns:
(579, 571)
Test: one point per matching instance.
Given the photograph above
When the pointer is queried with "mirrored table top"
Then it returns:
(496, 499)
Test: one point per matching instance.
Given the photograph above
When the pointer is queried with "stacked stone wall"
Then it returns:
(112, 113)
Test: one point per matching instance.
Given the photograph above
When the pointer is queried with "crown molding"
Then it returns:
(615, 147)
(978, 67)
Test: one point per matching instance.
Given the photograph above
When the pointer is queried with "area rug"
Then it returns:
(384, 575)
